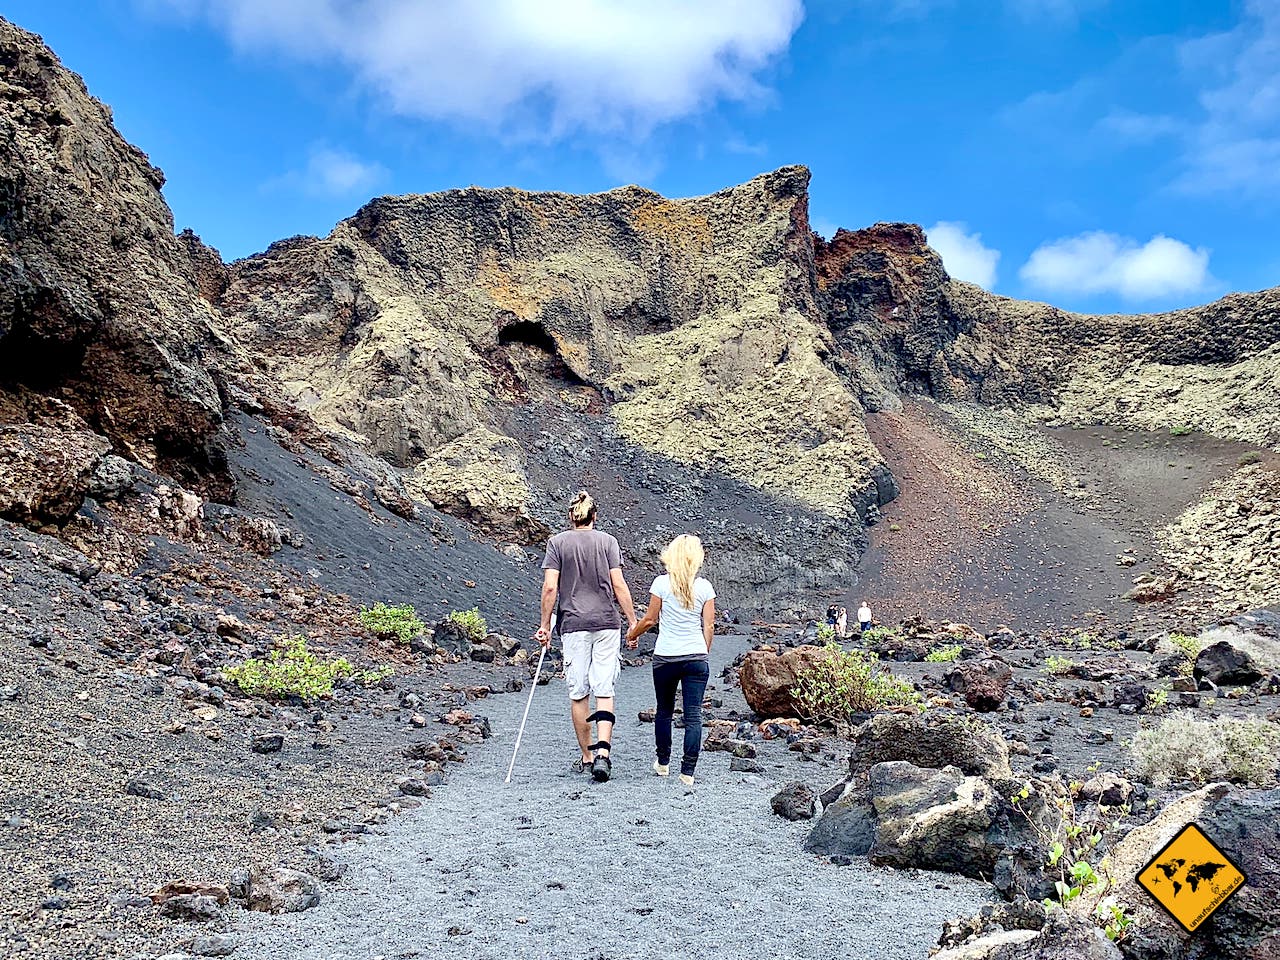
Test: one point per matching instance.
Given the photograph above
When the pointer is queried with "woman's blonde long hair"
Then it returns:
(683, 559)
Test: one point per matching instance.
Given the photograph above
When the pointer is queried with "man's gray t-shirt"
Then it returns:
(584, 559)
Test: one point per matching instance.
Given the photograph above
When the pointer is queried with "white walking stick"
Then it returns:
(529, 703)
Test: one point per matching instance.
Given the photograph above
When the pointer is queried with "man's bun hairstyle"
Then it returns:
(583, 509)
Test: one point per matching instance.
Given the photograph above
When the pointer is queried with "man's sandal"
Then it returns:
(602, 766)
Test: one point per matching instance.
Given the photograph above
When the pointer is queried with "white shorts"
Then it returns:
(591, 662)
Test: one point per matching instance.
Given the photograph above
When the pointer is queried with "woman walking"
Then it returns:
(682, 605)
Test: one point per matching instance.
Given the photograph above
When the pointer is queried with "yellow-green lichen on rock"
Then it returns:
(1236, 401)
(746, 394)
(479, 476)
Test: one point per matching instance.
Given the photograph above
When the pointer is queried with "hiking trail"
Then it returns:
(555, 865)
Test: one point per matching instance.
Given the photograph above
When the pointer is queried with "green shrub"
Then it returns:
(1190, 648)
(895, 527)
(878, 634)
(943, 654)
(1181, 430)
(1156, 699)
(1182, 747)
(1246, 459)
(1058, 665)
(849, 681)
(826, 634)
(291, 671)
(470, 620)
(399, 623)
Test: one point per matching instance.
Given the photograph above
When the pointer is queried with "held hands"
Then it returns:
(633, 636)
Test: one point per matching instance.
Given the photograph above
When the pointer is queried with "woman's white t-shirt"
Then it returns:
(679, 628)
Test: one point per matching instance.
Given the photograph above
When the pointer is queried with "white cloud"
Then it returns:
(963, 253)
(332, 173)
(1236, 147)
(1220, 114)
(530, 68)
(1100, 262)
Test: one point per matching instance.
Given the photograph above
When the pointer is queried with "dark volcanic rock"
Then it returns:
(934, 819)
(795, 801)
(97, 300)
(930, 741)
(982, 683)
(1225, 665)
(268, 743)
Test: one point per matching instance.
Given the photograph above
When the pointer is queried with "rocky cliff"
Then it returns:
(102, 329)
(891, 305)
(693, 322)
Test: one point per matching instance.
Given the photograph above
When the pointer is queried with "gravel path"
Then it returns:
(554, 865)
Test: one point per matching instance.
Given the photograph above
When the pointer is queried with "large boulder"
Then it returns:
(847, 825)
(1245, 824)
(982, 683)
(1225, 664)
(934, 819)
(932, 740)
(45, 471)
(768, 678)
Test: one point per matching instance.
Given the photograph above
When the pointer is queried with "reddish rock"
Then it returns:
(45, 471)
(768, 677)
(983, 683)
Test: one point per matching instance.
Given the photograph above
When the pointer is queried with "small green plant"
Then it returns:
(944, 654)
(399, 623)
(895, 527)
(1189, 647)
(1058, 666)
(826, 634)
(1156, 699)
(880, 634)
(1240, 750)
(843, 682)
(471, 622)
(1247, 459)
(290, 671)
(1115, 919)
(1073, 845)
(1181, 430)
(371, 678)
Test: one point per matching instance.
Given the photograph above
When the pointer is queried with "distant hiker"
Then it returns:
(582, 584)
(842, 623)
(832, 613)
(683, 607)
(864, 617)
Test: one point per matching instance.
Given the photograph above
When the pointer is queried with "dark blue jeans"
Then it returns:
(691, 677)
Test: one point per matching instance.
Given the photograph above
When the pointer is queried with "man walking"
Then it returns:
(864, 617)
(582, 584)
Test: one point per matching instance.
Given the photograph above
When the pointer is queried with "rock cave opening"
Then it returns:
(531, 349)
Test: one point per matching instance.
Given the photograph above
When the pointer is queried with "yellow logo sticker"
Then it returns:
(1191, 878)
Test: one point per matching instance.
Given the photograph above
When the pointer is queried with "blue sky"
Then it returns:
(1099, 154)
